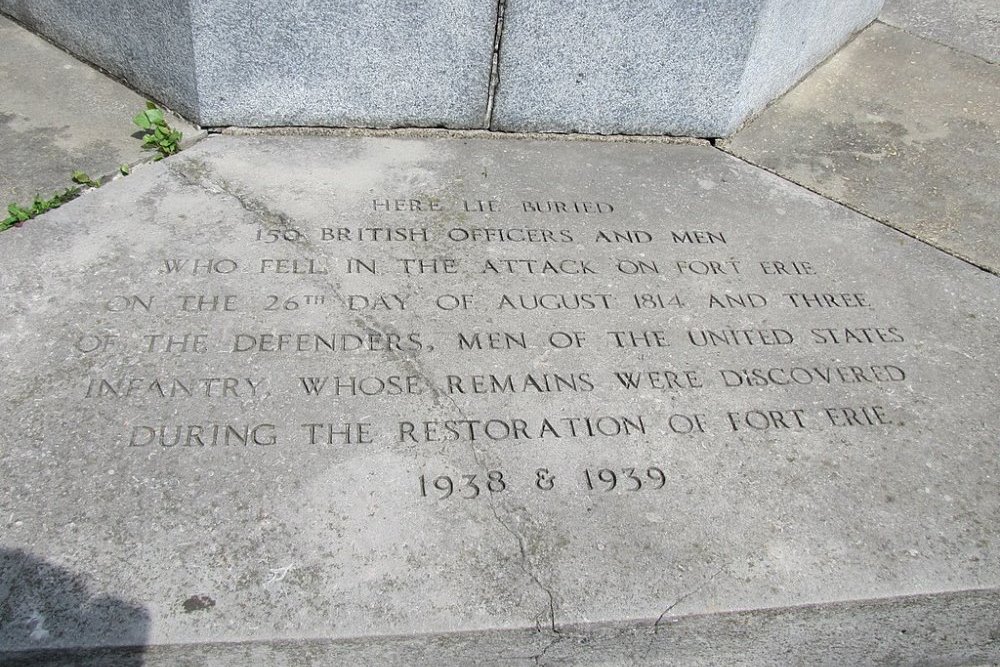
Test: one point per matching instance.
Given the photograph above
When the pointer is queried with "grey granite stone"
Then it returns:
(790, 39)
(345, 63)
(58, 115)
(334, 62)
(659, 67)
(972, 26)
(902, 129)
(846, 510)
(614, 67)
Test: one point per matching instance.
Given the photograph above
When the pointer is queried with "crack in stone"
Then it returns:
(548, 647)
(523, 563)
(681, 598)
(685, 596)
(197, 173)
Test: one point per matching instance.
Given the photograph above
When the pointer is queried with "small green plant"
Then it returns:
(82, 178)
(19, 214)
(160, 137)
(16, 213)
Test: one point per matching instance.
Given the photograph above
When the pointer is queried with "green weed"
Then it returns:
(160, 137)
(18, 213)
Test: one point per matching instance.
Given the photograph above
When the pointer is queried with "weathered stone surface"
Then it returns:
(868, 475)
(58, 115)
(902, 129)
(659, 67)
(330, 62)
(972, 26)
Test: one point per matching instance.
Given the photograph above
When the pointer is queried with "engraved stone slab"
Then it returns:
(425, 399)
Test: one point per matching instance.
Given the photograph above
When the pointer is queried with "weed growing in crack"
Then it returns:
(160, 137)
(18, 213)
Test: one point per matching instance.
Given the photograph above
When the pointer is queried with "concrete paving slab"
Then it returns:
(972, 26)
(900, 128)
(491, 400)
(58, 115)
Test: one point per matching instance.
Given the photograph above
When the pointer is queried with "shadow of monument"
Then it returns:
(48, 616)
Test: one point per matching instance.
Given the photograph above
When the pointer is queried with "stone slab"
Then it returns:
(900, 128)
(232, 286)
(58, 115)
(972, 26)
(672, 67)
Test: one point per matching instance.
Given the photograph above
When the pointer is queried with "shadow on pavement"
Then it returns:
(48, 616)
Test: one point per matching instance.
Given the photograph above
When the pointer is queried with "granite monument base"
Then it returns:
(655, 67)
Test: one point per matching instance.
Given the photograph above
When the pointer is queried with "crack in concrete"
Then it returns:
(197, 173)
(494, 82)
(548, 647)
(523, 564)
(681, 598)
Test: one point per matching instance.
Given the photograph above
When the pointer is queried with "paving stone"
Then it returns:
(972, 26)
(900, 128)
(58, 115)
(295, 399)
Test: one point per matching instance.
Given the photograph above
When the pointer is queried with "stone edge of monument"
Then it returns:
(312, 68)
(950, 627)
(209, 64)
(147, 48)
(694, 91)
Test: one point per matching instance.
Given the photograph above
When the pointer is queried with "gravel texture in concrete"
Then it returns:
(972, 26)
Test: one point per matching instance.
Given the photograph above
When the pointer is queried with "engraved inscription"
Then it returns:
(497, 325)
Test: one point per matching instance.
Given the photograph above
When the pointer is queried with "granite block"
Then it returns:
(663, 67)
(666, 67)
(350, 63)
(333, 62)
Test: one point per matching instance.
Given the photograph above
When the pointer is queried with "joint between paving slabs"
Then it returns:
(885, 223)
(494, 81)
(881, 21)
